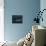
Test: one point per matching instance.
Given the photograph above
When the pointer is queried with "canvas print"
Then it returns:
(17, 19)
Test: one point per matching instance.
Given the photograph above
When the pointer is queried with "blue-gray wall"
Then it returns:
(27, 8)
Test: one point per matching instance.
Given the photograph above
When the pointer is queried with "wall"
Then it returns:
(1, 20)
(26, 8)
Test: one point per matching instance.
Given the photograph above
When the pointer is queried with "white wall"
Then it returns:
(1, 20)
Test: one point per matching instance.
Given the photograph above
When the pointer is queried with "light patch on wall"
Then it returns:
(1, 25)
